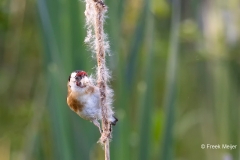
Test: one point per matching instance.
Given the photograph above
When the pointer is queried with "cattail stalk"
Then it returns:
(95, 10)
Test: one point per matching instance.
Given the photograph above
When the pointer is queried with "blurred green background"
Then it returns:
(176, 76)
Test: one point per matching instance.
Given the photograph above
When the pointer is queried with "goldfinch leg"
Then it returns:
(96, 123)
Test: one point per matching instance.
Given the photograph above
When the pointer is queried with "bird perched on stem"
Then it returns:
(84, 98)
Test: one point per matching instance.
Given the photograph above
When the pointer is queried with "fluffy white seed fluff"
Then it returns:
(98, 44)
(90, 39)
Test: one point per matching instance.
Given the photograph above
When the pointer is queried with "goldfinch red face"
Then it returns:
(77, 78)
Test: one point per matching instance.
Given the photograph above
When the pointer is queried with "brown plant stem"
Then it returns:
(100, 8)
(107, 150)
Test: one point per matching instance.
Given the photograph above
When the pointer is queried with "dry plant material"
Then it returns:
(97, 41)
